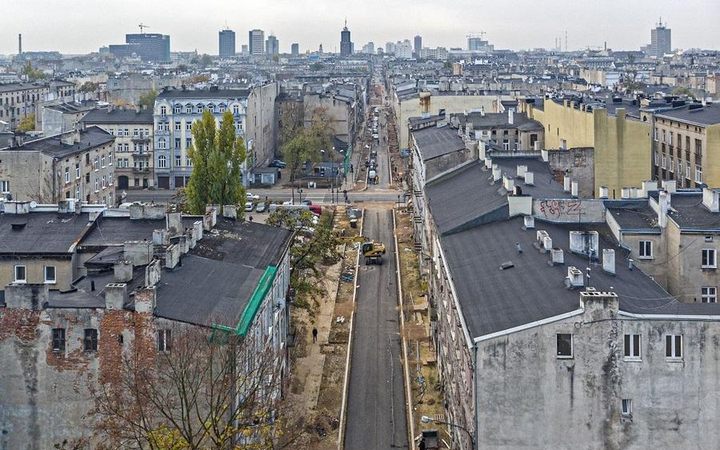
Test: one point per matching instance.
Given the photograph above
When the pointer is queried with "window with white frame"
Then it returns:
(564, 345)
(657, 158)
(632, 346)
(96, 185)
(188, 109)
(135, 132)
(664, 162)
(673, 346)
(4, 186)
(188, 126)
(626, 407)
(163, 111)
(177, 161)
(709, 258)
(49, 274)
(698, 174)
(688, 172)
(178, 126)
(646, 250)
(164, 340)
(77, 171)
(67, 174)
(162, 162)
(178, 109)
(236, 109)
(162, 144)
(102, 161)
(20, 274)
(708, 294)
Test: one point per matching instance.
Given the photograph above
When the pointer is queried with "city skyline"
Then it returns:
(588, 24)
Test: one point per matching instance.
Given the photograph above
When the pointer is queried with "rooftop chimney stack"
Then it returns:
(608, 261)
(664, 206)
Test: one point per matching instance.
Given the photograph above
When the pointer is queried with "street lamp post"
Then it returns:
(426, 419)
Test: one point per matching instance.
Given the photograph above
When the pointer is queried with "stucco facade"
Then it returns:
(623, 151)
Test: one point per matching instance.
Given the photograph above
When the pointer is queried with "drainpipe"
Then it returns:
(54, 181)
(475, 394)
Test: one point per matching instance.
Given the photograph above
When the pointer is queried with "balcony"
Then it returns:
(141, 169)
(142, 139)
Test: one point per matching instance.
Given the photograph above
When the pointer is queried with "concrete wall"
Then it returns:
(27, 173)
(261, 124)
(685, 275)
(579, 164)
(528, 397)
(35, 271)
(444, 163)
(569, 210)
(45, 394)
(339, 114)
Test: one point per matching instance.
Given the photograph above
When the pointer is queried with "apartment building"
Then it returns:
(253, 110)
(613, 127)
(19, 100)
(75, 165)
(546, 327)
(148, 276)
(686, 145)
(133, 131)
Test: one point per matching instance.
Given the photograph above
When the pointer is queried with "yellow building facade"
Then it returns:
(623, 146)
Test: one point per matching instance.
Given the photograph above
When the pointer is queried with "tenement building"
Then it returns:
(125, 284)
(74, 165)
(134, 162)
(550, 326)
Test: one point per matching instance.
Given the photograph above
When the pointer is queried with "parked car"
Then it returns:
(278, 163)
(249, 206)
(251, 196)
(306, 202)
(261, 207)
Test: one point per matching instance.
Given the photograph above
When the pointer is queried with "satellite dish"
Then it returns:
(33, 204)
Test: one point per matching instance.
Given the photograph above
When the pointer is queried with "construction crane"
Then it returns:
(141, 26)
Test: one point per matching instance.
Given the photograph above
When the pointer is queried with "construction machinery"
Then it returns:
(373, 252)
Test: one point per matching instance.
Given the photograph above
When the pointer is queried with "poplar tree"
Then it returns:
(217, 155)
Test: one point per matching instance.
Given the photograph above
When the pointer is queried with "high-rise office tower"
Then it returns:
(295, 49)
(417, 45)
(346, 45)
(256, 41)
(148, 46)
(660, 43)
(272, 46)
(226, 45)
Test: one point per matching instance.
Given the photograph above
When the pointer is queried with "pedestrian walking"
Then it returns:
(314, 335)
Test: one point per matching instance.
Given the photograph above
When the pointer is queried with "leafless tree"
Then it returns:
(207, 389)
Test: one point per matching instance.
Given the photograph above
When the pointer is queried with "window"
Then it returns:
(77, 170)
(102, 161)
(178, 109)
(50, 274)
(162, 144)
(5, 186)
(58, 339)
(188, 126)
(632, 346)
(164, 340)
(236, 110)
(91, 340)
(564, 345)
(698, 174)
(646, 250)
(709, 258)
(178, 126)
(673, 346)
(162, 162)
(708, 294)
(177, 143)
(20, 274)
(188, 109)
(188, 142)
(163, 111)
(67, 174)
(135, 132)
(627, 407)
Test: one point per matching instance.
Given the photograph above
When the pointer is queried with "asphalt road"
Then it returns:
(376, 402)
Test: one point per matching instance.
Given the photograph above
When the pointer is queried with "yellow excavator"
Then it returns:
(372, 251)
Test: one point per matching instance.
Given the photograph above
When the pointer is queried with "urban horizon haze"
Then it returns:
(194, 26)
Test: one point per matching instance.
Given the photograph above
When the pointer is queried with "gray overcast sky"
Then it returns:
(81, 26)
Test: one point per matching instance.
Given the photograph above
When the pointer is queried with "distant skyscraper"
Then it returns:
(660, 42)
(256, 41)
(227, 43)
(346, 45)
(272, 46)
(295, 49)
(369, 48)
(147, 46)
(417, 45)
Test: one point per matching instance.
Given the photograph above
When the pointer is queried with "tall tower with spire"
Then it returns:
(346, 45)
